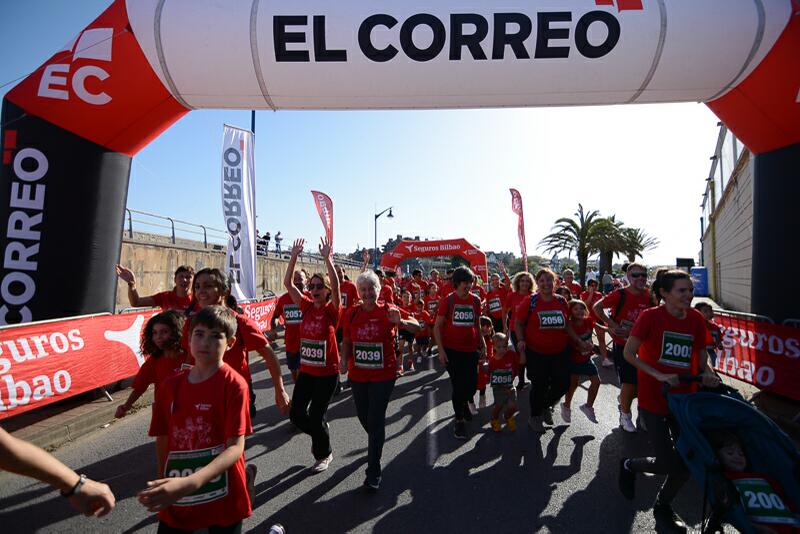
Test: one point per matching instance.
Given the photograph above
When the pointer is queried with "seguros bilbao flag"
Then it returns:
(516, 207)
(41, 363)
(239, 210)
(762, 354)
(324, 206)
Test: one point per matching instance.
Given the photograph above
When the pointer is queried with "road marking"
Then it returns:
(430, 397)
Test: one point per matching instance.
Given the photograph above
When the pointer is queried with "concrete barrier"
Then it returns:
(154, 265)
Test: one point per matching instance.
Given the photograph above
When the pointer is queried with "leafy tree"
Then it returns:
(637, 242)
(574, 235)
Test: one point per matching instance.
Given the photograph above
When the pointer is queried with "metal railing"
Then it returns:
(219, 237)
(791, 322)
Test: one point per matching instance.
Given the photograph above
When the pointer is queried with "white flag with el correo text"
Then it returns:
(239, 210)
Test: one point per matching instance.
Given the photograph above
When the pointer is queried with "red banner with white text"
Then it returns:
(516, 207)
(41, 363)
(760, 353)
(325, 209)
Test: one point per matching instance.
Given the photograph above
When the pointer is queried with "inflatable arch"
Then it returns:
(70, 129)
(446, 247)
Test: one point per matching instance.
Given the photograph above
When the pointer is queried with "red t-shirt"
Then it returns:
(372, 355)
(546, 332)
(479, 292)
(425, 320)
(583, 331)
(765, 502)
(669, 345)
(575, 289)
(248, 337)
(445, 288)
(169, 300)
(595, 297)
(156, 370)
(512, 301)
(292, 317)
(197, 420)
(631, 308)
(386, 294)
(348, 294)
(494, 302)
(460, 329)
(319, 352)
(431, 304)
(503, 370)
(715, 335)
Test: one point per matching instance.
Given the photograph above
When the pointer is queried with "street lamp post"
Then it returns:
(375, 255)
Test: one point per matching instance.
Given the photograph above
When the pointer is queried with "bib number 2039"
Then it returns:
(186, 463)
(312, 352)
(368, 355)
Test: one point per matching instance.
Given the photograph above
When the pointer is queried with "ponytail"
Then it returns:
(665, 279)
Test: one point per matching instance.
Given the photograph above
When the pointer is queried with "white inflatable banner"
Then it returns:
(239, 210)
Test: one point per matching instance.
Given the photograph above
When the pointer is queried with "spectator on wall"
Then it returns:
(278, 240)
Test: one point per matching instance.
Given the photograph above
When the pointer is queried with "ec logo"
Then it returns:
(93, 44)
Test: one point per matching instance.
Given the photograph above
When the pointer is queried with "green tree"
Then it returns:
(576, 235)
(608, 239)
(637, 242)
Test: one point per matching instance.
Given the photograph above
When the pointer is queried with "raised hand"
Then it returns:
(297, 246)
(324, 247)
(125, 274)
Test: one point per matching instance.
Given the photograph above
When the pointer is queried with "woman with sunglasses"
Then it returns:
(319, 352)
(625, 304)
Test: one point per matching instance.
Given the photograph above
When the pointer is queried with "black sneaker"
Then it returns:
(460, 430)
(627, 481)
(665, 516)
(547, 416)
(372, 484)
(467, 414)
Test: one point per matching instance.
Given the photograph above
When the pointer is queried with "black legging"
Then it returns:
(310, 400)
(463, 370)
(662, 431)
(372, 399)
(549, 376)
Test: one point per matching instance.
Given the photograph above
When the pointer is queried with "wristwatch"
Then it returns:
(81, 481)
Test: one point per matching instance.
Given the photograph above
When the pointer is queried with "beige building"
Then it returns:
(727, 223)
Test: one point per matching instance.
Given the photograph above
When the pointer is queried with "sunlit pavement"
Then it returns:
(561, 481)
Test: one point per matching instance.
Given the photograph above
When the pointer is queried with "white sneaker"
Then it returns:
(588, 411)
(419, 359)
(472, 409)
(482, 401)
(626, 422)
(321, 465)
(566, 413)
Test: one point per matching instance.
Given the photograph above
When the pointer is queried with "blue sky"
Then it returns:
(447, 173)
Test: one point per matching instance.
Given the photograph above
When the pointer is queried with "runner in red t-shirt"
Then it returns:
(290, 312)
(543, 334)
(487, 331)
(319, 352)
(161, 343)
(494, 302)
(522, 285)
(503, 365)
(625, 305)
(368, 352)
(460, 343)
(666, 342)
(581, 364)
(418, 281)
(200, 419)
(446, 287)
(177, 298)
(405, 337)
(349, 293)
(432, 299)
(574, 287)
(715, 332)
(423, 336)
(591, 297)
(210, 288)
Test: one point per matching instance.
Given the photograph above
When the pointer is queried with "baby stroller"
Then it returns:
(768, 448)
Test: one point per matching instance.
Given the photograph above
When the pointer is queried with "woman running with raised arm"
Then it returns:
(319, 352)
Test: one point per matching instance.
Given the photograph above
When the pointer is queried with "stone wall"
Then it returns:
(154, 265)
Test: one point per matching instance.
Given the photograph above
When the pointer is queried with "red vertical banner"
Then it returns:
(516, 207)
(325, 209)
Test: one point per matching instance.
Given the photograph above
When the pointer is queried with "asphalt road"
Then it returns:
(562, 481)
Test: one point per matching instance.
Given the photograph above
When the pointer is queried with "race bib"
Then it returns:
(676, 350)
(343, 298)
(464, 315)
(432, 306)
(494, 305)
(186, 463)
(312, 352)
(292, 314)
(587, 337)
(551, 320)
(762, 504)
(502, 377)
(368, 355)
(626, 324)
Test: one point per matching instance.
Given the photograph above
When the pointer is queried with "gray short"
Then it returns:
(504, 394)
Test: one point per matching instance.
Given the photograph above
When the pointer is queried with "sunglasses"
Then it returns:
(316, 286)
(637, 275)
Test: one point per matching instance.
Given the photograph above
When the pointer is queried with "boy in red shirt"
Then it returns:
(715, 334)
(503, 367)
(423, 336)
(200, 420)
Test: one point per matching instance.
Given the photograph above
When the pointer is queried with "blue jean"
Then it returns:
(372, 399)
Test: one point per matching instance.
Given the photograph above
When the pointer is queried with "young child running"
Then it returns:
(200, 419)
(423, 336)
(161, 343)
(487, 331)
(406, 337)
(503, 367)
(581, 364)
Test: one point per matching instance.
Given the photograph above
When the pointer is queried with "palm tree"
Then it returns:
(637, 243)
(608, 240)
(575, 235)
